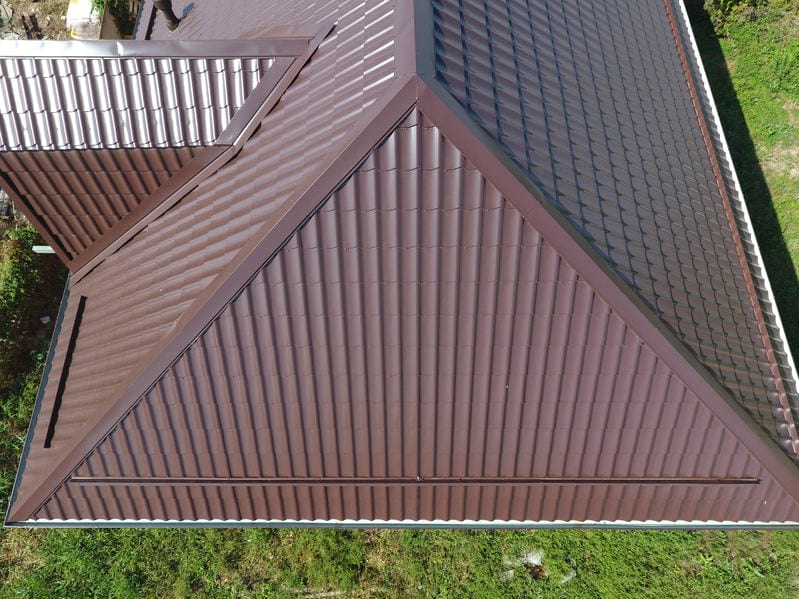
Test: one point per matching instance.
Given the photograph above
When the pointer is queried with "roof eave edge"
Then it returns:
(275, 47)
(419, 524)
(769, 299)
(450, 117)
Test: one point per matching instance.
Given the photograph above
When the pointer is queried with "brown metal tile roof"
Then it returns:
(180, 253)
(90, 134)
(72, 102)
(353, 322)
(80, 194)
(602, 119)
(416, 330)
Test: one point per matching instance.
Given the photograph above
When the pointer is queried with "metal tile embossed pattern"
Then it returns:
(104, 103)
(591, 100)
(80, 194)
(759, 276)
(415, 328)
(137, 294)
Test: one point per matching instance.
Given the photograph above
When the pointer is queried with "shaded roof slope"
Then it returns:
(79, 195)
(417, 338)
(71, 102)
(601, 117)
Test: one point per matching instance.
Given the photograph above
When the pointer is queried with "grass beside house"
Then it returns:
(759, 104)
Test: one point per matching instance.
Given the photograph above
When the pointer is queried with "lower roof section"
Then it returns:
(418, 350)
(76, 196)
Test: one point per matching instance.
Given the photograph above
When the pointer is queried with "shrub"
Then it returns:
(120, 11)
(724, 13)
(30, 286)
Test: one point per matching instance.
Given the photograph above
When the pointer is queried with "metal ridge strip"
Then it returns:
(273, 48)
(769, 299)
(409, 481)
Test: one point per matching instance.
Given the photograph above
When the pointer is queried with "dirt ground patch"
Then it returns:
(792, 110)
(48, 14)
(782, 161)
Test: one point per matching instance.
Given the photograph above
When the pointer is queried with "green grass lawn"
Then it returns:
(754, 71)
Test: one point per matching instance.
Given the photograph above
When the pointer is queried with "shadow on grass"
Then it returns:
(777, 259)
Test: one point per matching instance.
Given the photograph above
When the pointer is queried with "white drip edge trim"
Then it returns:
(742, 202)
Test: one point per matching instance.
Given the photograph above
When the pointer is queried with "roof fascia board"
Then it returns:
(272, 48)
(758, 257)
(37, 406)
(241, 127)
(532, 203)
(377, 123)
(416, 524)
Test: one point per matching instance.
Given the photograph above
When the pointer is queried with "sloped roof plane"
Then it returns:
(444, 283)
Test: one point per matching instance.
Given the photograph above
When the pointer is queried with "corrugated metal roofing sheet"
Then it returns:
(74, 103)
(416, 329)
(86, 139)
(591, 100)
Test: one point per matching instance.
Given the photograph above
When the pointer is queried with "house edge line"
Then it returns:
(419, 524)
(395, 104)
(450, 117)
